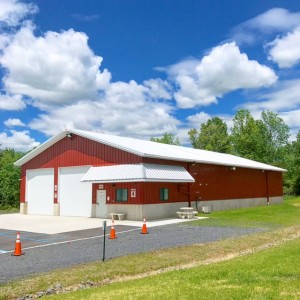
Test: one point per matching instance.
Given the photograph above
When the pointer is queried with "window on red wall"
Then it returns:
(164, 194)
(122, 195)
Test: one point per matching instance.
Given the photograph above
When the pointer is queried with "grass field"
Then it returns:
(264, 265)
(269, 217)
(269, 274)
(9, 210)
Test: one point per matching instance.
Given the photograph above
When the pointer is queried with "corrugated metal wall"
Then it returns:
(151, 192)
(111, 191)
(275, 183)
(211, 183)
(80, 151)
(215, 182)
(220, 182)
(146, 192)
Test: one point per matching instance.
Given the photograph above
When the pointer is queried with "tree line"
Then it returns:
(265, 140)
(9, 178)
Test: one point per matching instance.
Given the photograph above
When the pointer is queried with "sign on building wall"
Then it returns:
(133, 193)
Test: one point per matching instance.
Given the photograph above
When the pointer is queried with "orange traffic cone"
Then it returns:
(144, 228)
(18, 248)
(112, 231)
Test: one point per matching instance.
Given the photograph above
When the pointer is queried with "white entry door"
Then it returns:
(101, 208)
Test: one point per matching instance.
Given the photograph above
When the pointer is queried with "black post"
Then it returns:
(104, 230)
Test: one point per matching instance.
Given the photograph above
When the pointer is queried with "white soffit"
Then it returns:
(137, 173)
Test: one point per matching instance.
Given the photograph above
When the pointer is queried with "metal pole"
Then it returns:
(104, 230)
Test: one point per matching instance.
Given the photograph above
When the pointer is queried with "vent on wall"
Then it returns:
(207, 209)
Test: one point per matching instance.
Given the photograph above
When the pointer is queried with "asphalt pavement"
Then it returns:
(61, 255)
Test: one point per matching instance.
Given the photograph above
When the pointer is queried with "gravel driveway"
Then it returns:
(52, 257)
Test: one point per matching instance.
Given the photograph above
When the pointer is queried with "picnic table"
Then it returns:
(121, 217)
(187, 213)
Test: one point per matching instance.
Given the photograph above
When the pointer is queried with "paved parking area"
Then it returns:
(58, 256)
(36, 231)
(33, 239)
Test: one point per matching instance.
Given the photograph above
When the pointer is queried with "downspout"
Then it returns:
(267, 188)
(189, 194)
(189, 188)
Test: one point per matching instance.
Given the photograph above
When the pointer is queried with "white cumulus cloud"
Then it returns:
(13, 123)
(83, 115)
(14, 102)
(291, 118)
(56, 68)
(158, 88)
(223, 70)
(131, 111)
(12, 12)
(284, 96)
(284, 100)
(18, 140)
(4, 40)
(124, 109)
(196, 120)
(275, 20)
(285, 51)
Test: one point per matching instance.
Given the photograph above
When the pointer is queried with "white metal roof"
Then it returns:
(137, 173)
(151, 149)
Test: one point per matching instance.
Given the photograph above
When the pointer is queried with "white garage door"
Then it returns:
(75, 197)
(40, 191)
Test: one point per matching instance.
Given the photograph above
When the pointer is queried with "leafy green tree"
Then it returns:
(9, 178)
(213, 136)
(297, 165)
(167, 138)
(264, 140)
(275, 136)
(248, 136)
(193, 135)
(292, 164)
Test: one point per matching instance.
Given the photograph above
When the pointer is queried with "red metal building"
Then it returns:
(80, 173)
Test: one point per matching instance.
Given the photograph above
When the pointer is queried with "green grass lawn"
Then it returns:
(272, 216)
(269, 274)
(9, 210)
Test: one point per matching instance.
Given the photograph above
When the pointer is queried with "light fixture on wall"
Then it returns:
(233, 168)
(70, 135)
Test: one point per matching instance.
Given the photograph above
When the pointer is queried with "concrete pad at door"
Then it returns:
(47, 224)
(58, 224)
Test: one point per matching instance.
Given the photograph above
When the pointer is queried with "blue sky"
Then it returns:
(144, 67)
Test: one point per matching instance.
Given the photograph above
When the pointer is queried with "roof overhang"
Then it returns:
(150, 149)
(137, 173)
